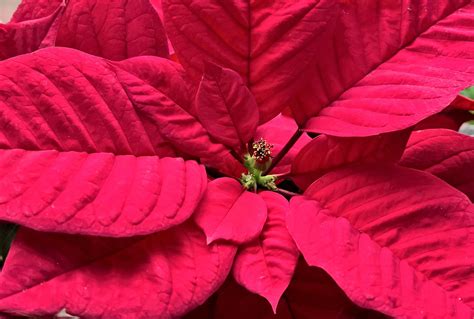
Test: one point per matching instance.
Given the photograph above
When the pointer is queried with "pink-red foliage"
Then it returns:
(141, 190)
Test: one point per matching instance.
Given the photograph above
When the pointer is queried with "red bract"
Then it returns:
(115, 30)
(165, 274)
(388, 65)
(269, 44)
(229, 212)
(100, 193)
(445, 154)
(326, 153)
(389, 250)
(139, 185)
(266, 265)
(311, 294)
(360, 83)
(226, 107)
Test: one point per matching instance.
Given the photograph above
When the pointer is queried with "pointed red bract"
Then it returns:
(325, 153)
(269, 44)
(445, 154)
(228, 211)
(97, 194)
(30, 35)
(278, 132)
(312, 294)
(158, 276)
(75, 101)
(72, 101)
(115, 30)
(226, 107)
(388, 65)
(396, 240)
(168, 111)
(265, 266)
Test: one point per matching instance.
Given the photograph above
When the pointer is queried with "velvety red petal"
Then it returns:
(226, 107)
(265, 266)
(158, 276)
(228, 211)
(268, 43)
(388, 65)
(396, 240)
(325, 153)
(97, 194)
(446, 154)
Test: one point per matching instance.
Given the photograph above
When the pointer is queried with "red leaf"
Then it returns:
(396, 240)
(445, 154)
(226, 107)
(388, 65)
(268, 43)
(265, 266)
(115, 30)
(312, 294)
(325, 153)
(35, 9)
(235, 302)
(74, 101)
(159, 276)
(278, 132)
(169, 111)
(97, 194)
(227, 211)
(30, 35)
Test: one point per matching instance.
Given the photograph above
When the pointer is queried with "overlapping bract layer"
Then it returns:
(162, 275)
(406, 60)
(90, 146)
(269, 44)
(395, 239)
(445, 154)
(97, 194)
(115, 30)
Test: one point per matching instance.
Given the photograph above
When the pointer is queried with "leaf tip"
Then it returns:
(274, 300)
(210, 240)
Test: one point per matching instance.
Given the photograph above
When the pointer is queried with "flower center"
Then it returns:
(262, 151)
(257, 164)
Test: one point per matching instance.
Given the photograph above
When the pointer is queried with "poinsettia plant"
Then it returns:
(243, 159)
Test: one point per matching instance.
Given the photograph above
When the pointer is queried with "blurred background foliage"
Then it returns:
(6, 9)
